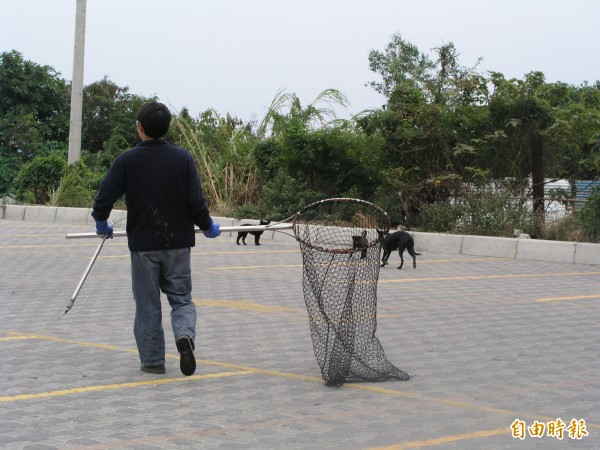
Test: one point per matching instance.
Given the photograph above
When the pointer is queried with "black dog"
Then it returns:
(400, 240)
(242, 234)
(360, 242)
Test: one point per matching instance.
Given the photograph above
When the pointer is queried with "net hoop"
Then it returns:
(302, 218)
(340, 240)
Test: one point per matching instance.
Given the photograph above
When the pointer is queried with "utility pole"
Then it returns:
(77, 85)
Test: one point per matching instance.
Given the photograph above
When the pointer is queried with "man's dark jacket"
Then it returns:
(162, 193)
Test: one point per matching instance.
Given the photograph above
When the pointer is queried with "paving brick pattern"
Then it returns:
(488, 340)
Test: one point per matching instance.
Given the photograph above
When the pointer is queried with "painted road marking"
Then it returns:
(272, 266)
(106, 387)
(243, 369)
(492, 277)
(236, 369)
(257, 307)
(243, 305)
(575, 297)
(446, 439)
(3, 247)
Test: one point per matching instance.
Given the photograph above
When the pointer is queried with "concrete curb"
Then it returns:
(526, 249)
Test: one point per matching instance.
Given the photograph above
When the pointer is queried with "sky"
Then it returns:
(235, 55)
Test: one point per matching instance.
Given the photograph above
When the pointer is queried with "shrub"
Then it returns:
(494, 213)
(441, 217)
(484, 211)
(77, 187)
(589, 216)
(247, 211)
(38, 178)
(285, 196)
(566, 229)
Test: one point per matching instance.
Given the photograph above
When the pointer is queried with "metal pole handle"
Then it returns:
(85, 274)
(274, 227)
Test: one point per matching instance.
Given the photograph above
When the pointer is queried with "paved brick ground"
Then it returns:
(488, 341)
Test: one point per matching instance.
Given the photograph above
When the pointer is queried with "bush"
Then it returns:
(494, 213)
(247, 211)
(38, 178)
(285, 196)
(589, 217)
(483, 211)
(77, 187)
(566, 229)
(441, 217)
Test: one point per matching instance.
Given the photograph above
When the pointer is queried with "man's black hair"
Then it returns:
(155, 118)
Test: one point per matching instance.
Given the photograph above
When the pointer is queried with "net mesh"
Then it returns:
(340, 240)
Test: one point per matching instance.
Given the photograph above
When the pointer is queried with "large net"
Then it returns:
(340, 240)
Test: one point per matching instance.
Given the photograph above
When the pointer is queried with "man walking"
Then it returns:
(164, 200)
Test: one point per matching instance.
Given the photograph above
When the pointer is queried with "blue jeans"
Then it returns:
(152, 272)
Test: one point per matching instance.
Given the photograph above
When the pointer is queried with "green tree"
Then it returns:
(34, 105)
(309, 144)
(109, 116)
(38, 178)
(401, 63)
(286, 113)
(574, 136)
(435, 109)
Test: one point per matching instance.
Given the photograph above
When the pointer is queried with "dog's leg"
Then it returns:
(385, 257)
(414, 257)
(237, 241)
(412, 252)
(257, 238)
(400, 252)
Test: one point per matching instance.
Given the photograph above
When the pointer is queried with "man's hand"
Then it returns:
(213, 231)
(103, 227)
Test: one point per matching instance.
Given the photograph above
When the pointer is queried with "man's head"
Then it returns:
(154, 118)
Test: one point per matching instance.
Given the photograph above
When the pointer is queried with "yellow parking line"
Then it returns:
(238, 369)
(491, 277)
(46, 246)
(243, 305)
(557, 299)
(105, 387)
(221, 253)
(445, 439)
(478, 259)
(246, 252)
(16, 338)
(30, 235)
(271, 266)
(256, 307)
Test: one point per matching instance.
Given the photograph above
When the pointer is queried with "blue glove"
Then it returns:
(103, 227)
(213, 231)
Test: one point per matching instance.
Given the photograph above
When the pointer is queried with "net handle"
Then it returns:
(276, 226)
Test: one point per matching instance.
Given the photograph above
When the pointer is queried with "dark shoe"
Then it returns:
(160, 369)
(187, 362)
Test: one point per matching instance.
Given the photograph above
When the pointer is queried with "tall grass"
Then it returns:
(74, 188)
(225, 163)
